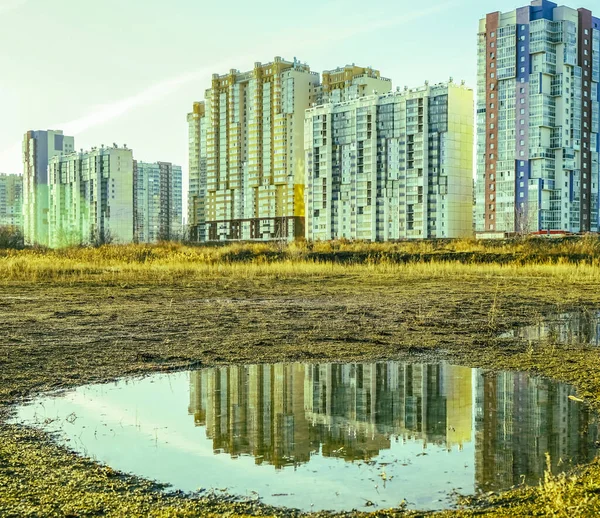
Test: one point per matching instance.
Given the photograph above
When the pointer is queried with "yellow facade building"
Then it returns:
(252, 124)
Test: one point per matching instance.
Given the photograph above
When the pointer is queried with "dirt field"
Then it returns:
(88, 327)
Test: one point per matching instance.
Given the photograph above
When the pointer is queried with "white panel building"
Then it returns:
(157, 201)
(38, 148)
(391, 166)
(91, 197)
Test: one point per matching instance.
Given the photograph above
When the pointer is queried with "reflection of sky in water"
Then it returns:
(331, 435)
(577, 327)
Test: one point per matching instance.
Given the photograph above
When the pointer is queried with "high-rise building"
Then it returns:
(157, 199)
(391, 166)
(91, 197)
(538, 120)
(11, 200)
(254, 187)
(351, 82)
(196, 216)
(38, 148)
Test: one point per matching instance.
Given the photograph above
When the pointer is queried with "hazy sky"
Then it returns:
(127, 71)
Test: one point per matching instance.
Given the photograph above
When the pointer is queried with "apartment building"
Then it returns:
(246, 147)
(157, 200)
(252, 123)
(351, 82)
(391, 166)
(196, 214)
(538, 120)
(38, 148)
(91, 197)
(11, 200)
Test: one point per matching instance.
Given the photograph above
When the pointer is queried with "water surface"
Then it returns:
(327, 436)
(581, 327)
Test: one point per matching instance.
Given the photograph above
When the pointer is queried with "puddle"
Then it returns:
(569, 328)
(327, 436)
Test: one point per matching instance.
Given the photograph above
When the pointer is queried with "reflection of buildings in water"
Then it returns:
(282, 413)
(569, 328)
(518, 420)
(255, 410)
(358, 407)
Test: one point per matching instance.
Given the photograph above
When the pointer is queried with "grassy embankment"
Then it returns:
(89, 315)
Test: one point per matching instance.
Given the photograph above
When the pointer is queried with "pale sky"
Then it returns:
(128, 71)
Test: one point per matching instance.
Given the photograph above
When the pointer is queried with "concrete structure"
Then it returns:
(391, 166)
(254, 187)
(254, 158)
(196, 220)
(351, 82)
(538, 120)
(91, 197)
(157, 200)
(38, 148)
(246, 148)
(11, 201)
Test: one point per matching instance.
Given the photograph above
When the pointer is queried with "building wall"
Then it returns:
(196, 219)
(254, 153)
(391, 166)
(538, 113)
(157, 202)
(91, 197)
(38, 148)
(351, 82)
(11, 200)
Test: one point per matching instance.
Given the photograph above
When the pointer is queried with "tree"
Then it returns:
(11, 237)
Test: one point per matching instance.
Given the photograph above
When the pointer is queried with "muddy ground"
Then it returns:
(63, 334)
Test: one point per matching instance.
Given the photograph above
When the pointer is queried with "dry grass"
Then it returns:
(84, 315)
(569, 258)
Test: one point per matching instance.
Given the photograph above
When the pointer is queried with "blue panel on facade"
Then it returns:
(41, 157)
(542, 9)
(540, 186)
(59, 142)
(522, 102)
(571, 187)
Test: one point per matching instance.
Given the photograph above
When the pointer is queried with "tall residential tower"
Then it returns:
(91, 197)
(196, 216)
(157, 201)
(11, 200)
(391, 166)
(38, 148)
(253, 129)
(537, 120)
